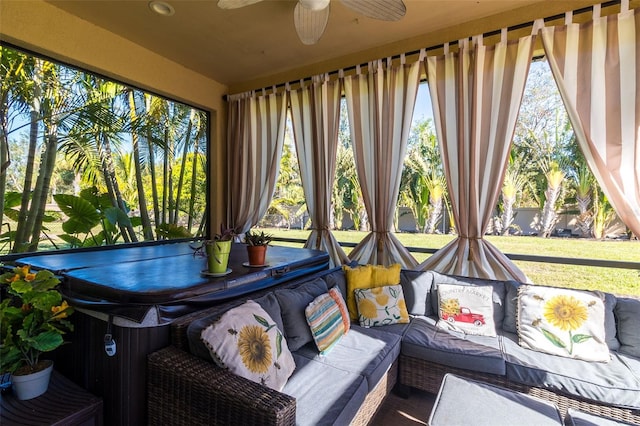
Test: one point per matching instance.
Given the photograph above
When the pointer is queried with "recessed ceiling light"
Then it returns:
(161, 8)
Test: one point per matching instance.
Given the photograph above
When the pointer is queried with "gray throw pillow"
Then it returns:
(416, 286)
(510, 306)
(292, 305)
(628, 315)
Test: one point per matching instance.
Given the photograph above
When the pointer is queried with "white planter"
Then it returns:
(32, 385)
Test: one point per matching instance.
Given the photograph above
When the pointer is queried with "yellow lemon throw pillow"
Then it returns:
(368, 276)
(381, 306)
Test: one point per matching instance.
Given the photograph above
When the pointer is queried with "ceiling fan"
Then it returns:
(311, 16)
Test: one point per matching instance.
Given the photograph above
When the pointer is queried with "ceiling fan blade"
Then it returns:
(384, 10)
(235, 4)
(310, 24)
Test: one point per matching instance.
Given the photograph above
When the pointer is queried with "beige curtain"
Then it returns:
(476, 94)
(255, 137)
(315, 115)
(380, 105)
(597, 67)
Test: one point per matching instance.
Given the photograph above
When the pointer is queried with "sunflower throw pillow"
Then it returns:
(247, 341)
(568, 323)
(381, 306)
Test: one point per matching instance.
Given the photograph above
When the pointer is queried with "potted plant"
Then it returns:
(217, 250)
(33, 319)
(257, 243)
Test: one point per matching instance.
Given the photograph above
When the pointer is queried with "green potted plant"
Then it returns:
(257, 243)
(33, 319)
(217, 250)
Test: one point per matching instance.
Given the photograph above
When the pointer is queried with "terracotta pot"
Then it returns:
(29, 386)
(257, 255)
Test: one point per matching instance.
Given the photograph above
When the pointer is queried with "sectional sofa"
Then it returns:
(348, 383)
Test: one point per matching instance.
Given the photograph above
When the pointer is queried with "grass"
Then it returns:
(612, 280)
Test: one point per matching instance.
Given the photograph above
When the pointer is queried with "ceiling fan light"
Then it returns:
(314, 4)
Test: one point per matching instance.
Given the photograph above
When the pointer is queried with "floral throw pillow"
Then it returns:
(247, 341)
(381, 306)
(466, 308)
(557, 321)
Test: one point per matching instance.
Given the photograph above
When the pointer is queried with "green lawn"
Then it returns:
(619, 281)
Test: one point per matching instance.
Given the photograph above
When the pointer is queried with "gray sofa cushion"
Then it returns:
(324, 395)
(337, 278)
(628, 313)
(478, 353)
(580, 418)
(416, 286)
(469, 402)
(510, 306)
(616, 382)
(292, 304)
(498, 293)
(366, 351)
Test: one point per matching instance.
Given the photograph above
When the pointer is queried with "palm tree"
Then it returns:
(584, 182)
(555, 178)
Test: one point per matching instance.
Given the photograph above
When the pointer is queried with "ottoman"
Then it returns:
(580, 418)
(469, 402)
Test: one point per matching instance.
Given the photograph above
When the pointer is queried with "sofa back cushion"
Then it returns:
(416, 286)
(498, 292)
(628, 313)
(293, 302)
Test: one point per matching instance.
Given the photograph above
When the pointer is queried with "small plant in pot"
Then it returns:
(217, 250)
(33, 319)
(257, 243)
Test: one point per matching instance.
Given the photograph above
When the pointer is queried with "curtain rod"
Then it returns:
(440, 46)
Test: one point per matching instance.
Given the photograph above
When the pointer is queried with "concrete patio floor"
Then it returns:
(398, 411)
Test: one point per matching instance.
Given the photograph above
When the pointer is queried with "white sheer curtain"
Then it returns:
(315, 115)
(597, 67)
(476, 94)
(255, 135)
(380, 105)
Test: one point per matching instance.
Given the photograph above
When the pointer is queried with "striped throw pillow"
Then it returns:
(325, 320)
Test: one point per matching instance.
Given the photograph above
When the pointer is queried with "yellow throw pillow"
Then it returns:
(383, 275)
(368, 276)
(358, 277)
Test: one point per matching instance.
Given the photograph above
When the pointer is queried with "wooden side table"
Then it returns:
(64, 403)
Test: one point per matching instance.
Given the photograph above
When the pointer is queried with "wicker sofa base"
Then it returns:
(186, 390)
(427, 375)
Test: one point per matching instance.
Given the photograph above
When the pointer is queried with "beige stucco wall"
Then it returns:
(47, 30)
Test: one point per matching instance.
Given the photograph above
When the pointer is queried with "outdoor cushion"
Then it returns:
(511, 311)
(197, 347)
(563, 322)
(467, 309)
(426, 341)
(616, 382)
(366, 351)
(325, 321)
(381, 306)
(416, 286)
(469, 402)
(368, 276)
(324, 395)
(628, 312)
(580, 418)
(498, 292)
(248, 342)
(292, 305)
(510, 306)
(337, 279)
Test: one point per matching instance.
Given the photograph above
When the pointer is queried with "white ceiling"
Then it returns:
(258, 43)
